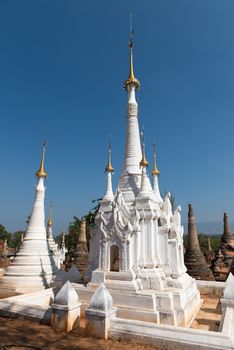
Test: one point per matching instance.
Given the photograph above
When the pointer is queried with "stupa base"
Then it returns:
(10, 286)
(175, 305)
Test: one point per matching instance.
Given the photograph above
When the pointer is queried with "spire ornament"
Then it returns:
(50, 221)
(41, 172)
(155, 171)
(109, 168)
(131, 78)
(143, 163)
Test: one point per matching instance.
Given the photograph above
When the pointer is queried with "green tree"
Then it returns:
(74, 227)
(15, 239)
(203, 241)
(4, 234)
(90, 217)
(73, 233)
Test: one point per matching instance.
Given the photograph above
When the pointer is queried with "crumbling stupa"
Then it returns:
(194, 260)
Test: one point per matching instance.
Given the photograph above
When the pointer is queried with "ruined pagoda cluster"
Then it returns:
(136, 247)
(223, 261)
(33, 267)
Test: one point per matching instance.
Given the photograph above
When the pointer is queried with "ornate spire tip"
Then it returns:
(41, 172)
(131, 78)
(155, 171)
(109, 168)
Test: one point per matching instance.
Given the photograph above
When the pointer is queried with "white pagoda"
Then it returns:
(136, 247)
(33, 267)
(53, 246)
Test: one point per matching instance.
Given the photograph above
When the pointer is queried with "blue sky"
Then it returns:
(62, 67)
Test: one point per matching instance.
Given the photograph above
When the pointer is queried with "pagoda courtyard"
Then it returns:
(133, 282)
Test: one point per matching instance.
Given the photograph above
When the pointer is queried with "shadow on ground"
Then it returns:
(27, 335)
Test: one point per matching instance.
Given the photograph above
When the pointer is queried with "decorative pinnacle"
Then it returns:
(41, 172)
(143, 163)
(155, 171)
(50, 222)
(131, 78)
(109, 168)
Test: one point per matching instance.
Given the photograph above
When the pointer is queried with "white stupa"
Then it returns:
(33, 266)
(53, 246)
(136, 248)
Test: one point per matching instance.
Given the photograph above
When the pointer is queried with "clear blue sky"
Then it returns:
(62, 67)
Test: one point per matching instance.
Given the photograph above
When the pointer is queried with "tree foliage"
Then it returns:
(203, 241)
(4, 234)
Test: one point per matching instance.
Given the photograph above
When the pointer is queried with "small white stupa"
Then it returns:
(63, 249)
(33, 266)
(136, 247)
(55, 251)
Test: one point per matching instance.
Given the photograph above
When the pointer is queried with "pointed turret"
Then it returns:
(146, 189)
(194, 259)
(130, 180)
(155, 174)
(50, 238)
(34, 254)
(109, 196)
(50, 221)
(144, 162)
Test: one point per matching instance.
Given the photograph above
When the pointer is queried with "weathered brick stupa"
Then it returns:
(136, 247)
(227, 239)
(223, 258)
(33, 266)
(81, 254)
(194, 260)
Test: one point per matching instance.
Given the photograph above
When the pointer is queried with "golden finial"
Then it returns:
(131, 78)
(41, 172)
(50, 222)
(155, 169)
(109, 167)
(143, 163)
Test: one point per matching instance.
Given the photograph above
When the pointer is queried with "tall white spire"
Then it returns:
(36, 225)
(33, 265)
(133, 146)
